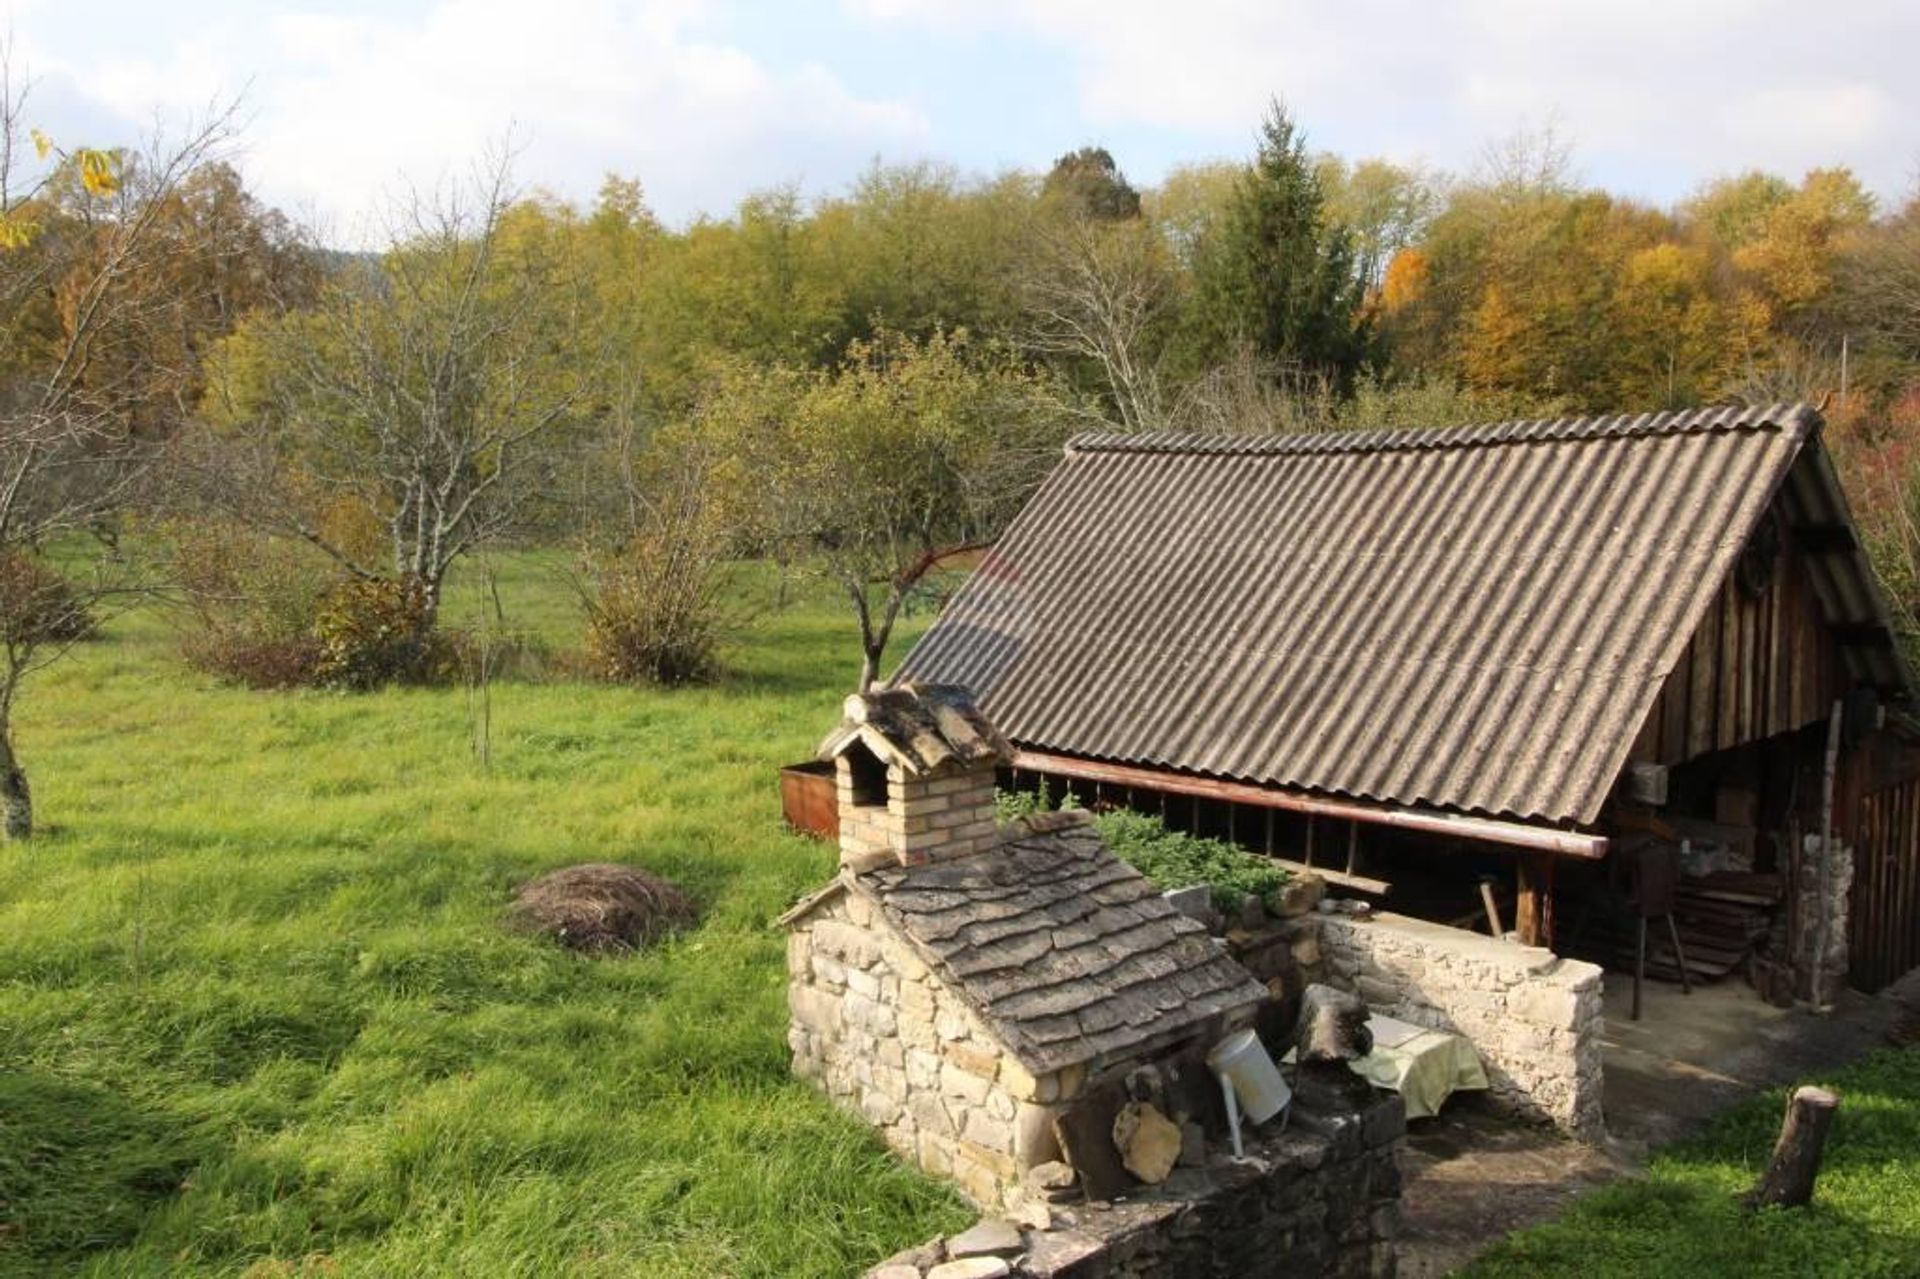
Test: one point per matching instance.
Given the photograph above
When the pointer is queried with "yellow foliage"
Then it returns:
(1406, 280)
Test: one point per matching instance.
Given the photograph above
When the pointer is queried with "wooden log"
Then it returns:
(1789, 1176)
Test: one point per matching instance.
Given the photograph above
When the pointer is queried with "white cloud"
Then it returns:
(346, 110)
(1648, 88)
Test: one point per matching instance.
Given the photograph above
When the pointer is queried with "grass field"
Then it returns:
(258, 1014)
(1683, 1221)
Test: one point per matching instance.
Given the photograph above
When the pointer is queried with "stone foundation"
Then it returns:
(874, 1028)
(1535, 1018)
(1321, 1197)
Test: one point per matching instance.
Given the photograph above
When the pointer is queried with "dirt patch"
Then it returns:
(1473, 1176)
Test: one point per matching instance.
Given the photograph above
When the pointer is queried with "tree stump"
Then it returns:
(1788, 1179)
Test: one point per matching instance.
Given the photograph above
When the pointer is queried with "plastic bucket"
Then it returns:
(1243, 1065)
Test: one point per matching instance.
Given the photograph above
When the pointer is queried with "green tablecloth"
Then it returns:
(1424, 1066)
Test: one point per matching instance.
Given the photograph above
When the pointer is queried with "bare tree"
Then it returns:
(427, 385)
(82, 238)
(1102, 292)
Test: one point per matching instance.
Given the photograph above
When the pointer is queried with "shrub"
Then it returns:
(654, 608)
(376, 631)
(1171, 858)
(251, 603)
(38, 605)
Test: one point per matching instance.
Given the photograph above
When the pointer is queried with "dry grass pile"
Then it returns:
(601, 908)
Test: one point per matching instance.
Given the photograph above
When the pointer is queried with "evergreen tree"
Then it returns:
(1277, 277)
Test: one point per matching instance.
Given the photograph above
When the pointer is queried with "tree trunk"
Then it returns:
(1788, 1179)
(16, 797)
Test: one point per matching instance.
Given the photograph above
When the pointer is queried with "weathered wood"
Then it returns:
(1526, 911)
(1565, 843)
(1788, 1179)
(1493, 909)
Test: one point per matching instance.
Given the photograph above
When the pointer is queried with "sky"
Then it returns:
(348, 104)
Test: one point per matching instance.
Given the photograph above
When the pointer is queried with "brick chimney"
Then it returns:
(914, 774)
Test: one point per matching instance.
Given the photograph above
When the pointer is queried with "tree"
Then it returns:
(83, 243)
(427, 387)
(1088, 184)
(1276, 274)
(1384, 206)
(909, 453)
(1100, 295)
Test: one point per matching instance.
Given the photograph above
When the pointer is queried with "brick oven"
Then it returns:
(965, 985)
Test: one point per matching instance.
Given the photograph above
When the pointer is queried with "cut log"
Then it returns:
(1788, 1179)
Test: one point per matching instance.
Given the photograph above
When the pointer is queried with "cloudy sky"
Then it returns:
(347, 101)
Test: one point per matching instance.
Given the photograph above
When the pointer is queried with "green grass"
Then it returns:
(1684, 1219)
(257, 1010)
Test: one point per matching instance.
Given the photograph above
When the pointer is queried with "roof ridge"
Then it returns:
(1722, 418)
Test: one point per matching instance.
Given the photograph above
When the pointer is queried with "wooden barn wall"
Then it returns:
(1879, 790)
(1756, 666)
(1884, 931)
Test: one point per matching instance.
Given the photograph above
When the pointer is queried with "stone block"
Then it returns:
(862, 983)
(963, 1084)
(845, 941)
(815, 1009)
(1551, 1005)
(930, 1114)
(1034, 1140)
(983, 1130)
(974, 1058)
(865, 1014)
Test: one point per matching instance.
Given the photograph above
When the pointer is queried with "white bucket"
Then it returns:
(1250, 1076)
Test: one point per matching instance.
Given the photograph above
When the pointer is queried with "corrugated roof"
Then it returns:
(1476, 619)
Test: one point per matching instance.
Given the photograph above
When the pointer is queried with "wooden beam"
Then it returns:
(1533, 914)
(1485, 830)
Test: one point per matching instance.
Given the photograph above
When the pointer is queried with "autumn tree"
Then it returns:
(87, 265)
(1276, 274)
(908, 453)
(428, 386)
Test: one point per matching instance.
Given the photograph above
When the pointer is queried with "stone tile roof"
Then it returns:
(919, 727)
(1069, 954)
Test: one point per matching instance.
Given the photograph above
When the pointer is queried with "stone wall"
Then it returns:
(1535, 1018)
(1320, 1196)
(874, 1028)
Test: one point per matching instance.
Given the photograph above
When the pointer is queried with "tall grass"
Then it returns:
(258, 1013)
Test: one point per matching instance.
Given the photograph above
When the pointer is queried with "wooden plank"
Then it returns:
(1706, 644)
(1488, 830)
(1727, 699)
(1673, 710)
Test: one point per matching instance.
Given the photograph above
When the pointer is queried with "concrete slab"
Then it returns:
(1689, 1057)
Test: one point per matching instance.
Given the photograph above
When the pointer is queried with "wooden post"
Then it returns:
(1534, 921)
(1526, 905)
(1788, 1179)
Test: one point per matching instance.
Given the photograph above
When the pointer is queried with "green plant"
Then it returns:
(376, 631)
(1169, 858)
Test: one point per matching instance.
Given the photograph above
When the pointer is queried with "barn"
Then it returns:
(1621, 687)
